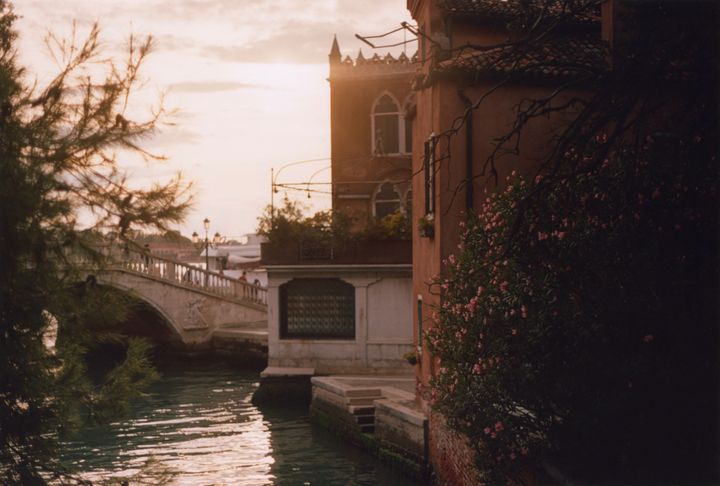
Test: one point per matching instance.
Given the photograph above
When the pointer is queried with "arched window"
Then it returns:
(386, 124)
(387, 200)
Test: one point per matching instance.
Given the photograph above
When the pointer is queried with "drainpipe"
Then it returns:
(469, 190)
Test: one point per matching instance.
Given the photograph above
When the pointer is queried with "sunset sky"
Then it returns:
(248, 78)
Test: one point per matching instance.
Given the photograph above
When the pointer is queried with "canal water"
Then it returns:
(198, 426)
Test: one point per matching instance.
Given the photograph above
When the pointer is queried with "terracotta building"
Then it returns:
(458, 66)
(371, 136)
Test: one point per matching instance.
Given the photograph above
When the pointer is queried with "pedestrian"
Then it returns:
(243, 277)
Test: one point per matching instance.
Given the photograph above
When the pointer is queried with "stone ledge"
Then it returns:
(401, 411)
(345, 390)
(280, 372)
(253, 336)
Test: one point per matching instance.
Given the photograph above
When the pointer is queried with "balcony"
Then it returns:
(368, 252)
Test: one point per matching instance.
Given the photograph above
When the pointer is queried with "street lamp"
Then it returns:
(273, 183)
(217, 239)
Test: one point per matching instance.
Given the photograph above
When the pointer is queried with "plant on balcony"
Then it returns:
(395, 226)
(426, 226)
(288, 224)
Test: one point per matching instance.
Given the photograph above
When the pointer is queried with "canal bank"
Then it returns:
(198, 426)
(376, 413)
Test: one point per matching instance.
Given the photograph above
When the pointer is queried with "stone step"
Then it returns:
(365, 419)
(363, 392)
(365, 401)
(361, 410)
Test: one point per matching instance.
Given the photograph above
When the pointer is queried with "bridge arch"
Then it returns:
(196, 304)
(169, 324)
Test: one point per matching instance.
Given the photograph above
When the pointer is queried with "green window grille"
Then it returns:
(321, 308)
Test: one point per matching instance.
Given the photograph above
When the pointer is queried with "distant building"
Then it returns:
(235, 258)
(173, 250)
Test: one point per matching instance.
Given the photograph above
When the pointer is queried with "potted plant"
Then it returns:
(411, 357)
(426, 226)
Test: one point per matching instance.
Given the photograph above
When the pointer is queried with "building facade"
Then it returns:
(461, 61)
(371, 135)
(347, 308)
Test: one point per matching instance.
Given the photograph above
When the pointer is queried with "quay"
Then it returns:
(377, 413)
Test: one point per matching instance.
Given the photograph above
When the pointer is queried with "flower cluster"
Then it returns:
(547, 313)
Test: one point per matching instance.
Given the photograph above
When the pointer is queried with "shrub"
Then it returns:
(578, 320)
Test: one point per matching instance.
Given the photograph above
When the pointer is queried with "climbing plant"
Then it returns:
(581, 337)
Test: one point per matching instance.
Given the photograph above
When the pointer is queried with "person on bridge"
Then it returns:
(243, 277)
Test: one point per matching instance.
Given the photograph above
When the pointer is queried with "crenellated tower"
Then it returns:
(371, 137)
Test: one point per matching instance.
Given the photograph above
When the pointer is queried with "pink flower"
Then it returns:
(649, 338)
(561, 235)
(487, 430)
(513, 332)
(523, 311)
(499, 426)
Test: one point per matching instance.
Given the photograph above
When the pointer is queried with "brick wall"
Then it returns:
(452, 459)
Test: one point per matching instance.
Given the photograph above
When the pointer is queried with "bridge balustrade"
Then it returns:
(187, 275)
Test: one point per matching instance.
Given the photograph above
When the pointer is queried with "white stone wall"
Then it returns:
(383, 322)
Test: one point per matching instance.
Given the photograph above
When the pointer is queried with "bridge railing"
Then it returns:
(187, 275)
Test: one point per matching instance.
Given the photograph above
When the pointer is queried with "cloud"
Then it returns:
(213, 86)
(164, 139)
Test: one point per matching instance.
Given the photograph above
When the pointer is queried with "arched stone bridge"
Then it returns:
(197, 304)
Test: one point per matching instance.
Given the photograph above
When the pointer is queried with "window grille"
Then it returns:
(321, 308)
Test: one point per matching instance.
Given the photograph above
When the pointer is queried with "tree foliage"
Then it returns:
(288, 225)
(578, 322)
(58, 160)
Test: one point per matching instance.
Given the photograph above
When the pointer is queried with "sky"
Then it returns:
(246, 80)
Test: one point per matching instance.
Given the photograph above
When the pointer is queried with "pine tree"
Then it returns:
(58, 159)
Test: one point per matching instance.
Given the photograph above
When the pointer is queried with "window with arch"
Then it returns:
(390, 131)
(387, 200)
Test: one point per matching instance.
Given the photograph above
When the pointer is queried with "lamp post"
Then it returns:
(273, 182)
(207, 243)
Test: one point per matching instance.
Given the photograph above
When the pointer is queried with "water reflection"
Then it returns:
(200, 426)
